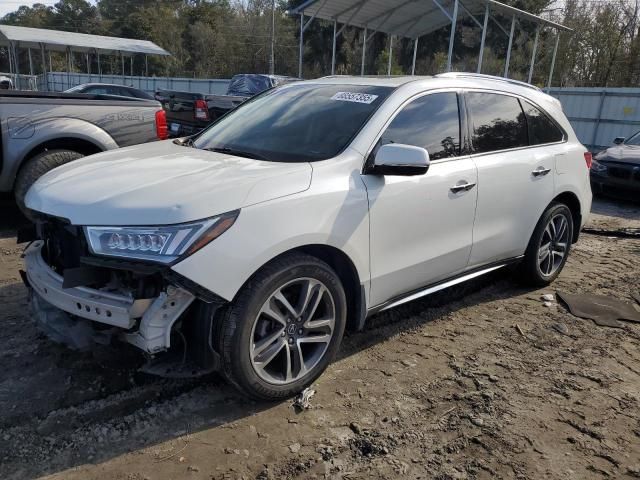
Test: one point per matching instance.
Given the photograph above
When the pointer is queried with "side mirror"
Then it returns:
(618, 140)
(399, 159)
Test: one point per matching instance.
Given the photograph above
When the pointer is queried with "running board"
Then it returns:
(438, 287)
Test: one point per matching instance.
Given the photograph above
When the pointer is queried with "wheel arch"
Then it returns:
(76, 144)
(571, 200)
(346, 270)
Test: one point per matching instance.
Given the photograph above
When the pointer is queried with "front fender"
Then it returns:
(337, 218)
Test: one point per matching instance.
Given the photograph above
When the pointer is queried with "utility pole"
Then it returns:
(272, 60)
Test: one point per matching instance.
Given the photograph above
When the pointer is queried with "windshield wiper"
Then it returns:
(237, 153)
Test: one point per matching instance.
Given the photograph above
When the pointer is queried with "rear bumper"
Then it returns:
(153, 317)
(179, 129)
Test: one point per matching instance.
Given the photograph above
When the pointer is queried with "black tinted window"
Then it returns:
(497, 122)
(541, 128)
(95, 90)
(431, 122)
(300, 122)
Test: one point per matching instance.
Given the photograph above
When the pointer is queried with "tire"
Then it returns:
(244, 324)
(34, 168)
(542, 266)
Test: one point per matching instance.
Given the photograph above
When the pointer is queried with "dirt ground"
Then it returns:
(484, 381)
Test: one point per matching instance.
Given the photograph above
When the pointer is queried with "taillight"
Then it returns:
(201, 110)
(162, 132)
(589, 159)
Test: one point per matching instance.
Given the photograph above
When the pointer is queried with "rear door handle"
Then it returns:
(540, 172)
(462, 187)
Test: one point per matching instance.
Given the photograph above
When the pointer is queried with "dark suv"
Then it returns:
(616, 170)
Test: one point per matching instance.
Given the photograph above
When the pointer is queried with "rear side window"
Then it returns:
(431, 122)
(541, 128)
(497, 121)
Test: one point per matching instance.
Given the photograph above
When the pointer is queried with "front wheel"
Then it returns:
(549, 246)
(284, 327)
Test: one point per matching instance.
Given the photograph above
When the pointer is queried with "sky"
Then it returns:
(7, 6)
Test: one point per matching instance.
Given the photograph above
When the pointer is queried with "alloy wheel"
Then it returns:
(553, 244)
(292, 331)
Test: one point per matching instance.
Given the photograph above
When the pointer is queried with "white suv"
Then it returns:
(249, 247)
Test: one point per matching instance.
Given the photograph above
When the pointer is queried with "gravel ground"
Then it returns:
(482, 381)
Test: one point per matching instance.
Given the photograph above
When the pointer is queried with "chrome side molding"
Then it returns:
(441, 286)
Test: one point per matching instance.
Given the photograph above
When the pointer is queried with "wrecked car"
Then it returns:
(250, 247)
(615, 171)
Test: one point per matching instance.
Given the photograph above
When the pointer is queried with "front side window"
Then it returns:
(295, 123)
(541, 128)
(431, 122)
(497, 121)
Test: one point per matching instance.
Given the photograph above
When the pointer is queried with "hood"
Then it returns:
(161, 183)
(620, 154)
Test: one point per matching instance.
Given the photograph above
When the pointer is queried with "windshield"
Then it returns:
(296, 123)
(633, 140)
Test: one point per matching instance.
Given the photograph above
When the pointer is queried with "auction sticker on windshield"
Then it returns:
(354, 97)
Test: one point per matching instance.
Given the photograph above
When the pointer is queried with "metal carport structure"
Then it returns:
(44, 40)
(415, 18)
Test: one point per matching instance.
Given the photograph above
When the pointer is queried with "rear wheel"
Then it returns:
(37, 166)
(284, 327)
(549, 246)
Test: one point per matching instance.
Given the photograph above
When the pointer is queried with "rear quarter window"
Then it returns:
(541, 128)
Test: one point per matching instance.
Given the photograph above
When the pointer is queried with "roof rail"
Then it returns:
(486, 77)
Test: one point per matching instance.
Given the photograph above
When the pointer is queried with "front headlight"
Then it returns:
(163, 244)
(598, 167)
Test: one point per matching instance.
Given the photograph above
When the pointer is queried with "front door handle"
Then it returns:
(540, 172)
(462, 187)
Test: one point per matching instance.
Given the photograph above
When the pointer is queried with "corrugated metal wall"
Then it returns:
(598, 115)
(59, 81)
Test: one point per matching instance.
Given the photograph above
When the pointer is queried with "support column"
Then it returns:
(131, 65)
(30, 63)
(553, 59)
(484, 36)
(506, 64)
(99, 65)
(45, 75)
(10, 54)
(146, 65)
(68, 68)
(452, 37)
(50, 63)
(390, 54)
(301, 47)
(533, 54)
(415, 53)
(16, 60)
(364, 51)
(333, 52)
(122, 64)
(272, 56)
(88, 64)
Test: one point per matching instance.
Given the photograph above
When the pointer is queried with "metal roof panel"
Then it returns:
(407, 18)
(27, 37)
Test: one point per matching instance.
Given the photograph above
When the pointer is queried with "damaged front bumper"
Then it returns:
(145, 323)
